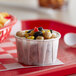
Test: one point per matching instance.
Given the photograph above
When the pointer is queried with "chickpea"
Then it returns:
(53, 36)
(47, 34)
(20, 34)
(40, 38)
(43, 31)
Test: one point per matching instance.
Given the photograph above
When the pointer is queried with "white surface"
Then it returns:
(17, 65)
(27, 9)
(13, 66)
(16, 27)
(1, 50)
(23, 3)
(12, 51)
(6, 44)
(5, 56)
(58, 62)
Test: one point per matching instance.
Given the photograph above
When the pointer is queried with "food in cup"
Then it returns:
(37, 46)
(37, 33)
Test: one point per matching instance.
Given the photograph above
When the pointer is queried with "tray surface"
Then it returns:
(65, 54)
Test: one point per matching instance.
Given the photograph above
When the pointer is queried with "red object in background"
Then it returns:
(48, 24)
(8, 17)
(5, 31)
(65, 54)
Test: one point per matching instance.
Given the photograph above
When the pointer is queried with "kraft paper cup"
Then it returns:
(37, 52)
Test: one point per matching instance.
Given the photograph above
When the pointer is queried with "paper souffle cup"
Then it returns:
(37, 52)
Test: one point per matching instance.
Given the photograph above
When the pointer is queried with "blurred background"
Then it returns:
(60, 10)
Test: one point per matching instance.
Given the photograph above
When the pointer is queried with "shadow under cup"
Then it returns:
(37, 52)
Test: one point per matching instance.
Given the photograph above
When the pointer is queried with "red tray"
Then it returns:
(65, 54)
